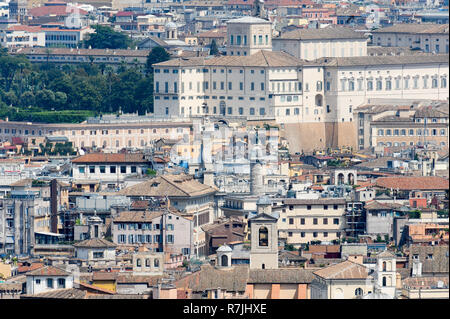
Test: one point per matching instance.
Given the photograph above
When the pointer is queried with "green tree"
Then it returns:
(105, 37)
(45, 99)
(156, 55)
(213, 49)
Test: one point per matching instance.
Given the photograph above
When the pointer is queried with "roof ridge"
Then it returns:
(173, 184)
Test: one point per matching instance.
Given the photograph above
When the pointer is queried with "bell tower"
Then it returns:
(264, 237)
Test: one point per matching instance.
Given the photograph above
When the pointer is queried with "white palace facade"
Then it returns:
(301, 95)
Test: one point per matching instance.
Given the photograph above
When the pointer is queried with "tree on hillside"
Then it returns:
(106, 38)
(157, 55)
(213, 50)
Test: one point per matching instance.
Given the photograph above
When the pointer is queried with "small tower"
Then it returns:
(95, 224)
(386, 274)
(171, 31)
(264, 239)
(224, 256)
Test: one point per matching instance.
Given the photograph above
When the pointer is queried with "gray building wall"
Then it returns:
(378, 224)
(20, 238)
(183, 237)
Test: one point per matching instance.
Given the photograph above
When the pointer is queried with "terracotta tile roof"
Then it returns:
(71, 293)
(439, 262)
(323, 249)
(322, 34)
(375, 205)
(104, 275)
(10, 286)
(343, 270)
(110, 158)
(169, 185)
(85, 52)
(383, 60)
(139, 204)
(137, 216)
(422, 28)
(129, 278)
(280, 276)
(208, 277)
(61, 10)
(95, 243)
(425, 282)
(261, 58)
(323, 201)
(48, 271)
(33, 266)
(413, 183)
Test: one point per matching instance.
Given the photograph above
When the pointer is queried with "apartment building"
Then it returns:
(426, 37)
(71, 55)
(110, 133)
(17, 214)
(161, 231)
(22, 36)
(109, 169)
(47, 279)
(191, 198)
(402, 123)
(311, 44)
(306, 220)
(428, 126)
(61, 36)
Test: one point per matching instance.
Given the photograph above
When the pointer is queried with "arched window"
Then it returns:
(224, 261)
(388, 132)
(156, 263)
(341, 179)
(263, 236)
(129, 142)
(263, 266)
(319, 100)
(358, 292)
(138, 262)
(117, 143)
(384, 281)
(384, 266)
(380, 132)
(147, 262)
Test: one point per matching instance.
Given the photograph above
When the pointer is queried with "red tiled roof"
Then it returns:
(103, 275)
(413, 183)
(48, 271)
(62, 10)
(124, 14)
(23, 269)
(17, 141)
(110, 158)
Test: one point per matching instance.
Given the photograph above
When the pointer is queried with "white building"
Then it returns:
(96, 252)
(22, 36)
(48, 278)
(110, 169)
(317, 96)
(310, 44)
(248, 35)
(426, 37)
